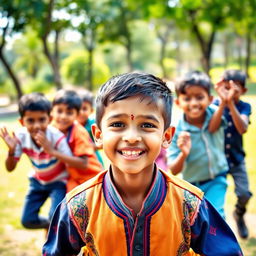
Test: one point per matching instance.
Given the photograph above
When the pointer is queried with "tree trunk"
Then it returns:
(90, 69)
(248, 53)
(162, 56)
(11, 74)
(226, 51)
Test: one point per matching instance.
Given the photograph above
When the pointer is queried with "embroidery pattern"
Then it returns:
(80, 211)
(90, 244)
(190, 205)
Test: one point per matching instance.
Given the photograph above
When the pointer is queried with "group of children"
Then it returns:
(59, 147)
(149, 210)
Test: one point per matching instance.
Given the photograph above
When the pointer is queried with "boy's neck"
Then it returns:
(133, 188)
(199, 122)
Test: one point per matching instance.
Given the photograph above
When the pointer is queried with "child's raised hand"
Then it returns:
(184, 142)
(232, 91)
(11, 141)
(221, 90)
(42, 141)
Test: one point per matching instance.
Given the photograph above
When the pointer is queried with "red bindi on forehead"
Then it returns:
(132, 117)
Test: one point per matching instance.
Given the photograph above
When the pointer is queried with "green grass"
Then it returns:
(13, 186)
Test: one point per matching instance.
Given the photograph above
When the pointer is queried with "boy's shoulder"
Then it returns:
(183, 185)
(88, 185)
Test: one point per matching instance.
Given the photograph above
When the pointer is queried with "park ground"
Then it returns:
(17, 241)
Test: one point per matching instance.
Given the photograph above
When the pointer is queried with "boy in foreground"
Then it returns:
(134, 208)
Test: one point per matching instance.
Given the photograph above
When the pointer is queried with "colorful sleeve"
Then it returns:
(63, 238)
(211, 235)
(83, 145)
(63, 147)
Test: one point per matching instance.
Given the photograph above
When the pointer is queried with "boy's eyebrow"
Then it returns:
(151, 117)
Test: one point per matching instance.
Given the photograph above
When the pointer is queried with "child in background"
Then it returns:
(237, 113)
(134, 208)
(86, 119)
(197, 149)
(65, 109)
(47, 150)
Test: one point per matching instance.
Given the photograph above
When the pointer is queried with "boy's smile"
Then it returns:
(132, 144)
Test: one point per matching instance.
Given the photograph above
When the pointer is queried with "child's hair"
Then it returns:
(236, 75)
(193, 78)
(34, 102)
(87, 96)
(69, 98)
(134, 84)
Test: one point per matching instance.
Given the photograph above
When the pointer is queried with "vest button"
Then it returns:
(137, 247)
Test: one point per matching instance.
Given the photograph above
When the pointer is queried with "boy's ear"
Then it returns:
(21, 121)
(177, 101)
(167, 138)
(244, 90)
(210, 98)
(96, 132)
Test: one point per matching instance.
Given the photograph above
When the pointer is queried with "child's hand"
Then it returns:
(184, 142)
(222, 91)
(42, 141)
(232, 91)
(11, 141)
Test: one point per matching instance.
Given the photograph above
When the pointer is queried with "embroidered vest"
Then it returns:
(165, 233)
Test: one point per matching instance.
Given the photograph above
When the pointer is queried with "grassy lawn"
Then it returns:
(13, 186)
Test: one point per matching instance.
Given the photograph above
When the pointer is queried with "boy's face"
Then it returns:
(84, 113)
(194, 103)
(35, 121)
(239, 89)
(132, 133)
(63, 117)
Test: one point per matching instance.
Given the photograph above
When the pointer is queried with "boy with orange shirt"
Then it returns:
(65, 108)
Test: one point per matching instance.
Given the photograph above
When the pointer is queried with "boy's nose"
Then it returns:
(131, 137)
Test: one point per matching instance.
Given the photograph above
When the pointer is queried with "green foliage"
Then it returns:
(37, 85)
(74, 69)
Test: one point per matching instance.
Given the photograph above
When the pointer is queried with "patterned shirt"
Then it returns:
(205, 231)
(46, 168)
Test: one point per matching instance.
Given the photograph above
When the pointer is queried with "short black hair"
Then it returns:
(87, 96)
(34, 101)
(236, 75)
(193, 78)
(127, 85)
(69, 98)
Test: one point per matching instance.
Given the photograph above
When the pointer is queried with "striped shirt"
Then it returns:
(46, 168)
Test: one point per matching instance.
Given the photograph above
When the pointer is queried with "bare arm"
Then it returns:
(240, 121)
(11, 142)
(73, 161)
(184, 143)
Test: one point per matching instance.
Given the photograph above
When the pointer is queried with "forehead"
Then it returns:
(195, 89)
(63, 107)
(35, 114)
(134, 106)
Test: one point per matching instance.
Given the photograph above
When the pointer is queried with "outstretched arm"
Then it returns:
(11, 142)
(74, 161)
(215, 121)
(184, 144)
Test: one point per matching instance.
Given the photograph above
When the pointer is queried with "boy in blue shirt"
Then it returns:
(237, 113)
(197, 149)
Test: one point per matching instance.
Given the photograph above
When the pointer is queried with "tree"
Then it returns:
(12, 20)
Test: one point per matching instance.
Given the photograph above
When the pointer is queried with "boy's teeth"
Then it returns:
(130, 153)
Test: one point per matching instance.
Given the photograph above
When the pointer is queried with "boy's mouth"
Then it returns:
(131, 154)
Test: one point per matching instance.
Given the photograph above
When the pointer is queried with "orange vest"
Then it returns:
(166, 232)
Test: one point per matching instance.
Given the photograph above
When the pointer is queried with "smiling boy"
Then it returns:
(134, 208)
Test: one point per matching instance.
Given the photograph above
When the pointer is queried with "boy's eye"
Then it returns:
(200, 97)
(148, 125)
(30, 121)
(42, 120)
(117, 124)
